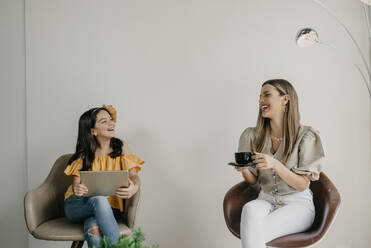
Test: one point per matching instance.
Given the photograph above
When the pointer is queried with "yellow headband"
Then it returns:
(112, 111)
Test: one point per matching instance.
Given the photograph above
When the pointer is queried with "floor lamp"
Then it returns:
(307, 37)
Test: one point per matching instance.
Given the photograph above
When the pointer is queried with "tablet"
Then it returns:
(104, 182)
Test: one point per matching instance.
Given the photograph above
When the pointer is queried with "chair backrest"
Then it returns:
(46, 202)
(59, 182)
(326, 200)
(318, 189)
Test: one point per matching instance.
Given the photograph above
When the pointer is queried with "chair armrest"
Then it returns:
(40, 205)
(131, 207)
(233, 202)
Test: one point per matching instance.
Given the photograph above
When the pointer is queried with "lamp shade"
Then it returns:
(307, 37)
(368, 2)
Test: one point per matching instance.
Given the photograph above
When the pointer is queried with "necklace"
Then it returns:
(276, 138)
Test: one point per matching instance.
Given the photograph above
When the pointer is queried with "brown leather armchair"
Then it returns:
(326, 200)
(44, 209)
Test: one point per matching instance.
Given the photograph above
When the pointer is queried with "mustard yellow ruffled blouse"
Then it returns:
(105, 163)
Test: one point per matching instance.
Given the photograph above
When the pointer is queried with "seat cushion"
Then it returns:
(63, 230)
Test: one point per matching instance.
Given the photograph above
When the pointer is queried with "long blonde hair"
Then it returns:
(291, 120)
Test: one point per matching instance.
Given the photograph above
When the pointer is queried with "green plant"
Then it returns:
(125, 241)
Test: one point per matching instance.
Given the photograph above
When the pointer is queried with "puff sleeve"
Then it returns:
(74, 168)
(131, 160)
(311, 155)
(245, 145)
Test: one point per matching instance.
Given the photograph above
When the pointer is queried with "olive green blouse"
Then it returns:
(307, 158)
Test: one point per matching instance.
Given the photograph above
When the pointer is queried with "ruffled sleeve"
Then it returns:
(245, 145)
(311, 155)
(131, 160)
(74, 168)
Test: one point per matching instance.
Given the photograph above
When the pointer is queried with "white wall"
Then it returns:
(13, 176)
(185, 78)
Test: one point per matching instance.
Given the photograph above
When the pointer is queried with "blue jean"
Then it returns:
(92, 211)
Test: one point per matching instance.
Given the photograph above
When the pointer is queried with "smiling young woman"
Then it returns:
(98, 149)
(287, 156)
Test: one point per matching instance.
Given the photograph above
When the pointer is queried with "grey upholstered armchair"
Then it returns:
(44, 211)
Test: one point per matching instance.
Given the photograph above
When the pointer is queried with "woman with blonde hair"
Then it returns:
(287, 156)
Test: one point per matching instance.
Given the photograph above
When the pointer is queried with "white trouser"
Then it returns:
(269, 217)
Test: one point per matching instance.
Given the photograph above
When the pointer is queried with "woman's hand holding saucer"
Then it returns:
(238, 168)
(241, 168)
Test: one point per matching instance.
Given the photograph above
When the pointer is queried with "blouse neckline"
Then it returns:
(277, 154)
(102, 155)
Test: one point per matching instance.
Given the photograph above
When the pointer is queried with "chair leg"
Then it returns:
(77, 244)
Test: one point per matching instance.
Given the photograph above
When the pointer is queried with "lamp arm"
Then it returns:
(350, 35)
(365, 8)
(364, 79)
(355, 65)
